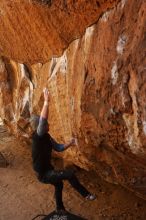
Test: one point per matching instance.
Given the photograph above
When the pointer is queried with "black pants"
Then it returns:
(56, 178)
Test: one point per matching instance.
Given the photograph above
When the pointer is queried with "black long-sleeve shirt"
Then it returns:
(41, 152)
(42, 145)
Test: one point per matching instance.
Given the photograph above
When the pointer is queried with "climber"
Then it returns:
(42, 145)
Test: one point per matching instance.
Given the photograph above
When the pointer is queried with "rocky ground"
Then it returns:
(22, 197)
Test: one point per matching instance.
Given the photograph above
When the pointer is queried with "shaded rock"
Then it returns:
(3, 162)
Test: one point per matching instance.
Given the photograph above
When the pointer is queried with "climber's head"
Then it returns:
(34, 122)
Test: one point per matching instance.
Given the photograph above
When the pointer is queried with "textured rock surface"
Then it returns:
(98, 93)
(39, 29)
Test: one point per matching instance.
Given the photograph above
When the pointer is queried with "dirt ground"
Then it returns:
(22, 197)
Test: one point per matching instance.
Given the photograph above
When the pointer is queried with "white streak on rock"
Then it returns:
(121, 44)
(144, 127)
(52, 65)
(122, 3)
(26, 97)
(105, 16)
(112, 111)
(133, 132)
(114, 73)
(58, 65)
(25, 135)
(28, 93)
(87, 40)
(22, 69)
(89, 32)
(30, 96)
(63, 64)
(1, 122)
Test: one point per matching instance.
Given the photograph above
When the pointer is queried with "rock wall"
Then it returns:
(97, 91)
(40, 29)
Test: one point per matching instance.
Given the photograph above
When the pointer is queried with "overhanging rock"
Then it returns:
(32, 31)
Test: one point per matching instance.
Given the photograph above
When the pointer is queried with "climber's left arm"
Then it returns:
(61, 147)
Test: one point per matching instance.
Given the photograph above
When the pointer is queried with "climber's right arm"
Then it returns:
(41, 130)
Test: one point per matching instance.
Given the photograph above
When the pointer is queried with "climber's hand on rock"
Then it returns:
(71, 143)
(46, 94)
(74, 141)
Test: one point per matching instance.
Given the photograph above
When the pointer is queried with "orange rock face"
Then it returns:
(32, 31)
(97, 89)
